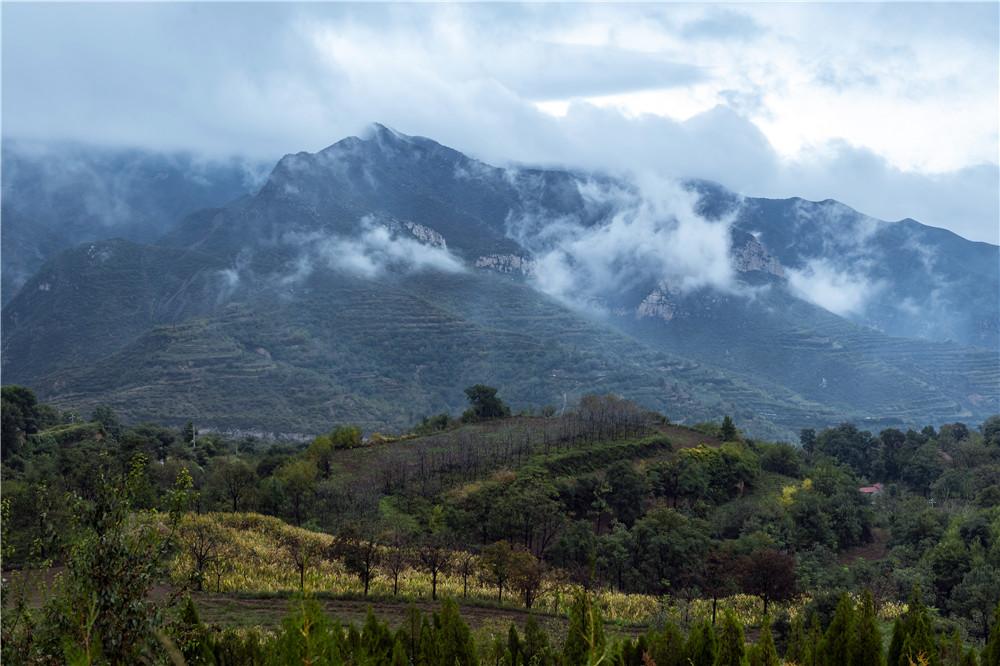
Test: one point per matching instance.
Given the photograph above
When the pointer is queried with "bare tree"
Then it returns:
(434, 558)
(466, 567)
(396, 561)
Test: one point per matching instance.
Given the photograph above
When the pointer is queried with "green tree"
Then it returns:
(764, 652)
(797, 647)
(585, 642)
(103, 608)
(867, 648)
(732, 650)
(920, 642)
(298, 481)
(702, 645)
(728, 430)
(667, 648)
(233, 478)
(895, 653)
(360, 549)
(991, 431)
(346, 437)
(839, 636)
(991, 653)
(484, 404)
(496, 563)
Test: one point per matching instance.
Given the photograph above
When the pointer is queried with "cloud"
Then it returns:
(841, 292)
(892, 109)
(653, 234)
(375, 250)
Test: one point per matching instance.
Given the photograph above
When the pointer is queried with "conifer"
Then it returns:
(765, 654)
(795, 652)
(732, 650)
(702, 646)
(991, 653)
(835, 649)
(585, 643)
(920, 643)
(867, 648)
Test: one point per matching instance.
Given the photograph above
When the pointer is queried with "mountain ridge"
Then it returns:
(404, 225)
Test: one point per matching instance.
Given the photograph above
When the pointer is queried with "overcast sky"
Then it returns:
(892, 109)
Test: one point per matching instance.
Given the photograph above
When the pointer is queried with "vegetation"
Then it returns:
(716, 549)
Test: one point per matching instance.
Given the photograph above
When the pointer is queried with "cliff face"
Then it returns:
(506, 263)
(752, 256)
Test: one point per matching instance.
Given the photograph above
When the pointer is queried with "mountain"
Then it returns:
(371, 281)
(58, 195)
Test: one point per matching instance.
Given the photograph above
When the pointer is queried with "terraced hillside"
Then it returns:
(371, 282)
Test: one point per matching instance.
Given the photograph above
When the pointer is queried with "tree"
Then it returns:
(19, 418)
(102, 610)
(867, 649)
(732, 649)
(896, 643)
(719, 577)
(526, 575)
(839, 637)
(764, 653)
(702, 645)
(977, 595)
(434, 558)
(991, 653)
(234, 478)
(991, 431)
(360, 550)
(770, 575)
(302, 550)
(497, 562)
(484, 404)
(109, 421)
(346, 437)
(201, 540)
(320, 451)
(667, 647)
(728, 430)
(628, 490)
(919, 642)
(798, 644)
(397, 559)
(585, 643)
(298, 479)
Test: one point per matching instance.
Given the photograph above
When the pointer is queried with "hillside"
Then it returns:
(371, 281)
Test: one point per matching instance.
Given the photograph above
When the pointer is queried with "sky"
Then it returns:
(891, 108)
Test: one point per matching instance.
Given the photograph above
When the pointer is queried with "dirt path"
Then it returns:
(229, 610)
(874, 551)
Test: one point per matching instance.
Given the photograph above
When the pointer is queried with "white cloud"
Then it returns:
(654, 235)
(890, 108)
(371, 252)
(841, 292)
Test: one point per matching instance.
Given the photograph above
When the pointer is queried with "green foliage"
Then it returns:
(991, 654)
(919, 641)
(585, 642)
(838, 641)
(728, 430)
(867, 646)
(764, 653)
(484, 404)
(702, 645)
(732, 650)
